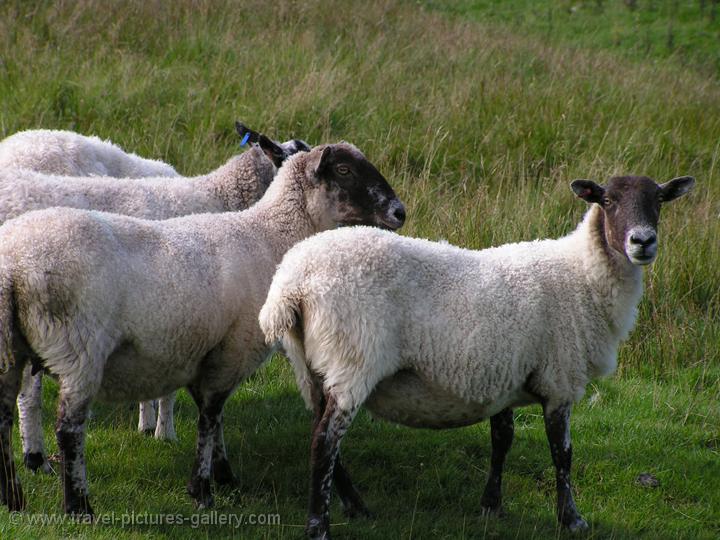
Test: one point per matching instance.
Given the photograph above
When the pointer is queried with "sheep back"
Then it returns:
(70, 154)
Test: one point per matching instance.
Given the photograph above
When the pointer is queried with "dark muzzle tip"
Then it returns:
(644, 242)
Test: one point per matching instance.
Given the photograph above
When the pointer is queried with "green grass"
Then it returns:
(685, 31)
(480, 124)
(418, 483)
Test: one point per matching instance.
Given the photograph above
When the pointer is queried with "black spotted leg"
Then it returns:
(11, 494)
(70, 433)
(502, 430)
(210, 408)
(324, 450)
(557, 428)
(222, 472)
(353, 505)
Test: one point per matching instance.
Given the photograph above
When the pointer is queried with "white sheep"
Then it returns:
(232, 186)
(430, 335)
(237, 185)
(72, 154)
(124, 309)
(68, 153)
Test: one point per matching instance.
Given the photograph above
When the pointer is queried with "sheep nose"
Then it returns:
(643, 239)
(393, 216)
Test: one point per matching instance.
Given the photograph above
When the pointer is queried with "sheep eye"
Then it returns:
(606, 201)
(343, 170)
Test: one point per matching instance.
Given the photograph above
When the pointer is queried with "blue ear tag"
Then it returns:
(245, 139)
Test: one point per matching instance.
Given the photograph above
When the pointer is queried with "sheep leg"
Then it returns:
(29, 404)
(501, 433)
(222, 472)
(557, 428)
(324, 450)
(147, 418)
(352, 503)
(165, 428)
(70, 432)
(210, 419)
(11, 494)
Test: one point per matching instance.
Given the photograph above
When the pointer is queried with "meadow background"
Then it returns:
(479, 113)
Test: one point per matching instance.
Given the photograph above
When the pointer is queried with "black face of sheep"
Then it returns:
(359, 193)
(631, 206)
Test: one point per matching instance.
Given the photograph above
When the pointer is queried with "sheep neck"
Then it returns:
(616, 282)
(282, 212)
(222, 183)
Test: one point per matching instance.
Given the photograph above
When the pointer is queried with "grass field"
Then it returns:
(480, 118)
(684, 31)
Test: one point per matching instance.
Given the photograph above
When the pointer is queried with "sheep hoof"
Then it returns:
(357, 510)
(205, 502)
(222, 473)
(79, 509)
(162, 435)
(35, 461)
(492, 510)
(577, 525)
(14, 499)
(199, 489)
(146, 426)
(318, 528)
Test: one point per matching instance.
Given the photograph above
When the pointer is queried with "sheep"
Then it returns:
(157, 415)
(121, 308)
(68, 153)
(72, 154)
(426, 334)
(233, 187)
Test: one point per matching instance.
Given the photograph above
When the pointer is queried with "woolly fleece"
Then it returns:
(234, 186)
(433, 335)
(68, 153)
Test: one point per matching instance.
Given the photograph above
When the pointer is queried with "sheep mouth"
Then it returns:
(642, 256)
(390, 224)
(385, 223)
(642, 260)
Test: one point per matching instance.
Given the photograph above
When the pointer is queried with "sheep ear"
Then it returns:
(246, 134)
(272, 150)
(677, 187)
(320, 162)
(588, 191)
(300, 146)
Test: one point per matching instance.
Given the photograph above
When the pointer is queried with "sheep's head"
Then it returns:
(276, 152)
(349, 190)
(293, 146)
(631, 207)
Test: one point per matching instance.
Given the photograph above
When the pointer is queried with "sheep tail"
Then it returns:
(280, 320)
(7, 358)
(279, 315)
